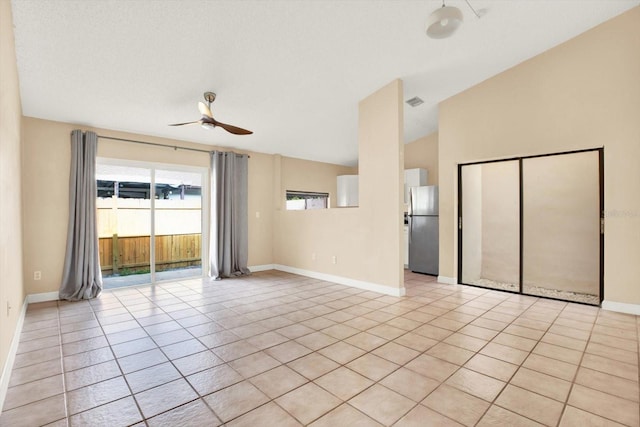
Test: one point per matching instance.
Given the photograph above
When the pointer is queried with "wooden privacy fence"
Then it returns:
(131, 254)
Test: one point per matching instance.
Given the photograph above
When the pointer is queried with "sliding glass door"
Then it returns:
(124, 224)
(150, 222)
(532, 225)
(178, 224)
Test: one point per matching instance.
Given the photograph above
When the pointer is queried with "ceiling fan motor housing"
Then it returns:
(209, 97)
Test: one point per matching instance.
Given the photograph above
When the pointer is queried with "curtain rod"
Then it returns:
(175, 147)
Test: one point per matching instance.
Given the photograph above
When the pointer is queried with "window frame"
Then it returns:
(306, 195)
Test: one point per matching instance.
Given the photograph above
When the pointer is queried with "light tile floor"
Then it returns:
(277, 349)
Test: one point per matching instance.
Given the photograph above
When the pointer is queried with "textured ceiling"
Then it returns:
(291, 71)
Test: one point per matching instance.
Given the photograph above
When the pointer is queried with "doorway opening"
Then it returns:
(150, 222)
(533, 225)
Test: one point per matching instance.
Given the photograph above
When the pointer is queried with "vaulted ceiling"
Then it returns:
(291, 71)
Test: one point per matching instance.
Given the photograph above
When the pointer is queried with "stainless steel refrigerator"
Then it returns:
(423, 230)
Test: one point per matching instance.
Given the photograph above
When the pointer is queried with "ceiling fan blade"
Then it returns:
(232, 129)
(187, 123)
(204, 109)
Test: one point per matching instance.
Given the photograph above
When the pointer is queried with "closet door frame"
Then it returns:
(520, 160)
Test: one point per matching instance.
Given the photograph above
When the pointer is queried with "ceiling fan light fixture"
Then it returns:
(443, 22)
(208, 122)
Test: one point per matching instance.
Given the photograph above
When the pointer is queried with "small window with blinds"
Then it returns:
(303, 200)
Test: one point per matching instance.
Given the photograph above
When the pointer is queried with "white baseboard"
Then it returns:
(13, 349)
(43, 297)
(265, 267)
(448, 280)
(621, 307)
(381, 289)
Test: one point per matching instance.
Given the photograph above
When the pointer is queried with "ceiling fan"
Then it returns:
(208, 122)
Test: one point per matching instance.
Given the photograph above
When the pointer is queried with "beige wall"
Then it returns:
(11, 283)
(366, 241)
(584, 93)
(306, 175)
(261, 195)
(46, 151)
(423, 153)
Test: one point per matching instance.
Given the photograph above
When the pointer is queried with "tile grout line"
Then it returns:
(115, 358)
(575, 376)
(515, 372)
(225, 363)
(288, 285)
(62, 367)
(110, 344)
(339, 366)
(144, 417)
(39, 379)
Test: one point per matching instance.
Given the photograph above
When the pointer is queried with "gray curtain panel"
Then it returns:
(228, 245)
(82, 278)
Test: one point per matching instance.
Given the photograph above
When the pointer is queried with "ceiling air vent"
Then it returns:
(415, 101)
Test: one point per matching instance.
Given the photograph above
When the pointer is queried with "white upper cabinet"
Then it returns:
(414, 178)
(347, 191)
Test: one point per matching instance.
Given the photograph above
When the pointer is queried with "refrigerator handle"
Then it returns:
(410, 202)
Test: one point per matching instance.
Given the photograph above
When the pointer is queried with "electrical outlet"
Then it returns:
(8, 308)
(257, 214)
(334, 259)
(313, 256)
(37, 275)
